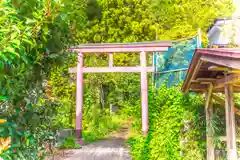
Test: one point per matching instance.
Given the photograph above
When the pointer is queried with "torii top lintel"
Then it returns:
(154, 46)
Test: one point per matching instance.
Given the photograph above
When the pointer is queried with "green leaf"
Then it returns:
(30, 21)
(3, 98)
(11, 50)
(28, 41)
(5, 30)
(21, 154)
(2, 55)
(16, 28)
(45, 30)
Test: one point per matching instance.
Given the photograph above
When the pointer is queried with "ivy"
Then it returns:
(168, 137)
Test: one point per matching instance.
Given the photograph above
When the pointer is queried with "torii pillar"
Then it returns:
(144, 93)
(79, 96)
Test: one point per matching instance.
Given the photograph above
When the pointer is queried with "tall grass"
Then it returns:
(100, 124)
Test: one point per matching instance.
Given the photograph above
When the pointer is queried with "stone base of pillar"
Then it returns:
(80, 141)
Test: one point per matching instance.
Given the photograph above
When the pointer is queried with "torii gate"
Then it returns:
(142, 47)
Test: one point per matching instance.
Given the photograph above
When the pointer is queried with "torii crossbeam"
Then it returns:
(142, 47)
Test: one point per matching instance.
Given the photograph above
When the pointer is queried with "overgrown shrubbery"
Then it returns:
(33, 35)
(99, 124)
(70, 143)
(176, 127)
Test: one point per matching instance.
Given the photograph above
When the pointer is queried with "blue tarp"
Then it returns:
(171, 66)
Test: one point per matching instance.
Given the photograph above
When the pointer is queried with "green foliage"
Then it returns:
(70, 143)
(33, 35)
(168, 110)
(131, 21)
(98, 124)
(182, 18)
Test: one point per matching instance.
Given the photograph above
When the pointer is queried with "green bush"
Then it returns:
(168, 110)
(70, 143)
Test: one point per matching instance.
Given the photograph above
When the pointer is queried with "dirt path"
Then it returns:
(113, 148)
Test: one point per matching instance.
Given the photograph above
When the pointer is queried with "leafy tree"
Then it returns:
(33, 35)
(181, 18)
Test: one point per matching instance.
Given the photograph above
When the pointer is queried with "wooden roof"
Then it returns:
(217, 66)
(154, 46)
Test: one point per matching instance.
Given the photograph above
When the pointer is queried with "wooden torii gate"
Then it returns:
(141, 47)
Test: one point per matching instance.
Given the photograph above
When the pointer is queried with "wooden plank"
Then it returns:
(206, 79)
(222, 102)
(236, 85)
(216, 68)
(79, 97)
(209, 95)
(194, 74)
(230, 123)
(120, 50)
(125, 45)
(224, 69)
(231, 53)
(223, 61)
(202, 87)
(144, 93)
(199, 86)
(190, 71)
(233, 78)
(209, 129)
(234, 71)
(112, 69)
(218, 90)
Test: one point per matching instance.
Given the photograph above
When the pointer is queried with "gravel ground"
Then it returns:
(113, 148)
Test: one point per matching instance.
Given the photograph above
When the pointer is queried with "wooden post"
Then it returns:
(79, 96)
(230, 123)
(144, 93)
(209, 129)
(110, 60)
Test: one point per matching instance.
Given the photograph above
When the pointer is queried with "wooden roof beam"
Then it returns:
(194, 74)
(198, 80)
(222, 102)
(224, 69)
(203, 87)
(223, 61)
(233, 78)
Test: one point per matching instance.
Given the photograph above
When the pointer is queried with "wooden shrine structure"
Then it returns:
(214, 71)
(110, 48)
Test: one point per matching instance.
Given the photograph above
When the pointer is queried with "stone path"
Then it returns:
(113, 148)
(110, 149)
